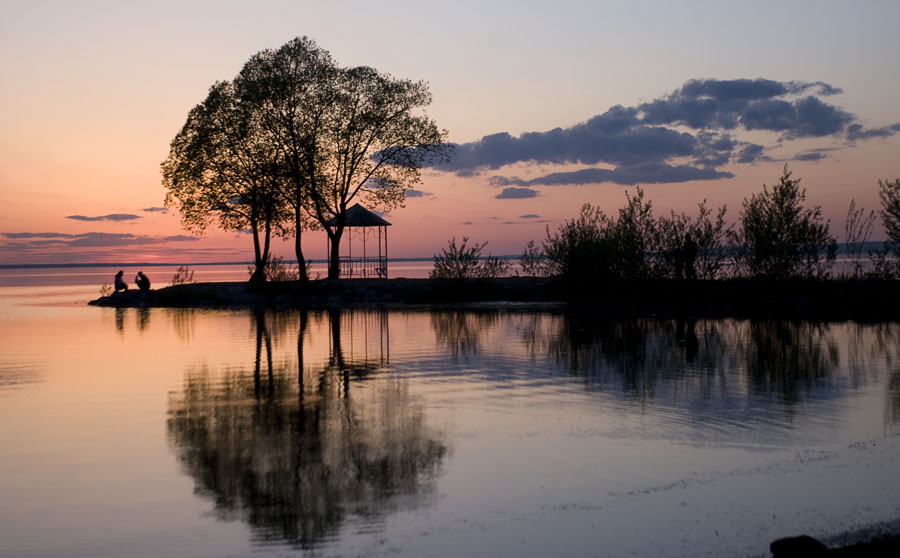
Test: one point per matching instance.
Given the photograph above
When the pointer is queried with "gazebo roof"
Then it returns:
(359, 216)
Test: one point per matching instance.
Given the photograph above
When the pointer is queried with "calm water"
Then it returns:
(373, 433)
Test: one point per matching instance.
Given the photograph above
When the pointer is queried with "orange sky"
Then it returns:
(94, 92)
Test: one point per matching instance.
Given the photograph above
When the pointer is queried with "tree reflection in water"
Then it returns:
(296, 450)
(460, 331)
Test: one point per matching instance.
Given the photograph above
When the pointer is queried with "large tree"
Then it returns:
(292, 90)
(221, 169)
(347, 134)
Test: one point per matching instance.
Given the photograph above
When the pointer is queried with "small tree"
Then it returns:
(465, 262)
(580, 249)
(533, 262)
(779, 238)
(889, 192)
(709, 233)
(857, 231)
(634, 238)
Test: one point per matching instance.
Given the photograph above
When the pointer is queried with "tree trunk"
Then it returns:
(334, 265)
(298, 248)
(259, 263)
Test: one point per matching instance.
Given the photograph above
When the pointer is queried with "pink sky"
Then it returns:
(94, 92)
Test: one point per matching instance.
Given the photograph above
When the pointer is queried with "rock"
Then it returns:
(798, 547)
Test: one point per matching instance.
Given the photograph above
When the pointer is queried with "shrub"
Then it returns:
(465, 262)
(183, 276)
(580, 249)
(708, 233)
(857, 231)
(779, 238)
(533, 262)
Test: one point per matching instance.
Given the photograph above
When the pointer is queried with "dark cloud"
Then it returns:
(516, 194)
(156, 209)
(37, 235)
(650, 173)
(416, 194)
(91, 239)
(858, 132)
(530, 216)
(110, 217)
(810, 156)
(688, 134)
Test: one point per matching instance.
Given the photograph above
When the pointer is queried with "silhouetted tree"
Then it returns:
(710, 234)
(889, 192)
(222, 168)
(347, 134)
(464, 262)
(779, 238)
(293, 89)
(857, 230)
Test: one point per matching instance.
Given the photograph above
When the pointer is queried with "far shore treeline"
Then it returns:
(294, 140)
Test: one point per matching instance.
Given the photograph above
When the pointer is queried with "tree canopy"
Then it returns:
(779, 238)
(294, 142)
(221, 168)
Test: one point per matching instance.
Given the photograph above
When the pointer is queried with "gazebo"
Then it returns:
(363, 225)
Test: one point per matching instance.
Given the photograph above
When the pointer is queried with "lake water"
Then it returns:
(433, 433)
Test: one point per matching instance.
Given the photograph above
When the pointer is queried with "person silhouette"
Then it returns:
(143, 282)
(120, 284)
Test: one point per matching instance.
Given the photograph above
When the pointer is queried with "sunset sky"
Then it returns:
(552, 105)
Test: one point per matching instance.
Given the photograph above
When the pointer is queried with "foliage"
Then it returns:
(710, 235)
(634, 238)
(857, 231)
(779, 238)
(346, 133)
(465, 262)
(580, 248)
(533, 262)
(889, 192)
(221, 168)
(183, 276)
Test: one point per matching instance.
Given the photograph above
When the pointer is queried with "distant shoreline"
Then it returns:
(866, 300)
(189, 264)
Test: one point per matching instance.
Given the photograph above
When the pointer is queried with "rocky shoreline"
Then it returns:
(799, 299)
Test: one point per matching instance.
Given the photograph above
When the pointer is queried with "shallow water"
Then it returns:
(495, 433)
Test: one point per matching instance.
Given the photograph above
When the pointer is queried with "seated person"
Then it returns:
(120, 284)
(143, 282)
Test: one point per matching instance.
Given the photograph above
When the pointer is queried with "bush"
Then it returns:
(779, 238)
(857, 230)
(533, 262)
(580, 249)
(465, 262)
(277, 270)
(710, 236)
(183, 276)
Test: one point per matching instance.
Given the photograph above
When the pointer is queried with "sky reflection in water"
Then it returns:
(447, 432)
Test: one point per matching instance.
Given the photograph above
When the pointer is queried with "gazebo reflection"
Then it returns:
(294, 449)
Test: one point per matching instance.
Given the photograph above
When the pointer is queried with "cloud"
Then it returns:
(91, 239)
(530, 216)
(858, 132)
(416, 194)
(156, 209)
(37, 235)
(516, 194)
(689, 134)
(810, 156)
(110, 217)
(650, 173)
